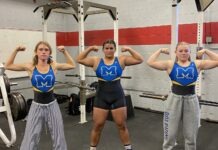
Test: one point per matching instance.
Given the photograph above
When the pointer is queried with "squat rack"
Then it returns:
(7, 110)
(80, 11)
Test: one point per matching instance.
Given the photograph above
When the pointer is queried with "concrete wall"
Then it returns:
(132, 14)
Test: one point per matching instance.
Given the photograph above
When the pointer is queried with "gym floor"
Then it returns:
(145, 131)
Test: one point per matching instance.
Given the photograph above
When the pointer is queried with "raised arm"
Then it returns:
(83, 58)
(211, 55)
(9, 65)
(160, 65)
(70, 64)
(134, 59)
(207, 64)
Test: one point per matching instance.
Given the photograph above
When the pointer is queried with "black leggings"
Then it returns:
(109, 95)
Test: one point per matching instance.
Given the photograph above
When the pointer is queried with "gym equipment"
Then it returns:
(130, 109)
(154, 96)
(61, 98)
(74, 99)
(208, 103)
(76, 75)
(6, 108)
(87, 92)
(74, 103)
(175, 2)
(135, 90)
(7, 85)
(202, 5)
(174, 27)
(13, 105)
(72, 84)
(17, 102)
(164, 97)
(29, 102)
(80, 10)
(18, 106)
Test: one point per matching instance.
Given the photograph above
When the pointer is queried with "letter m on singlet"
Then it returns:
(108, 71)
(187, 73)
(43, 81)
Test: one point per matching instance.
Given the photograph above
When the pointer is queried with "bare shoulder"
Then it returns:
(95, 58)
(96, 61)
(121, 58)
(198, 63)
(54, 65)
(29, 66)
(169, 64)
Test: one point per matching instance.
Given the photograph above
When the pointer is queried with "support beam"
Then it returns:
(174, 28)
(116, 34)
(6, 109)
(198, 87)
(82, 67)
(45, 30)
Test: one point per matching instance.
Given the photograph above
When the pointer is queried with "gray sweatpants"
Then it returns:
(184, 110)
(39, 116)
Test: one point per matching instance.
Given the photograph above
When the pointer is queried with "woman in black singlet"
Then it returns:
(110, 93)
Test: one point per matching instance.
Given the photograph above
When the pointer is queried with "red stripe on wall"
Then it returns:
(145, 36)
(188, 33)
(211, 29)
(98, 37)
(91, 37)
(67, 38)
(140, 36)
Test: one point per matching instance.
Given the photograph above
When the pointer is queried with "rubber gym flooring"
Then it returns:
(145, 131)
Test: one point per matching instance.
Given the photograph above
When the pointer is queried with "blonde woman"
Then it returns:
(182, 104)
(44, 109)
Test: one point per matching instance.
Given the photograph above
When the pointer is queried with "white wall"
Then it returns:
(13, 38)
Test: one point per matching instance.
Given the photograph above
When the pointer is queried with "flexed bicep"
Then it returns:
(134, 58)
(207, 64)
(88, 61)
(10, 65)
(160, 65)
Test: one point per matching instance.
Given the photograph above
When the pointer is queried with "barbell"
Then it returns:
(164, 97)
(77, 75)
(154, 96)
(208, 103)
